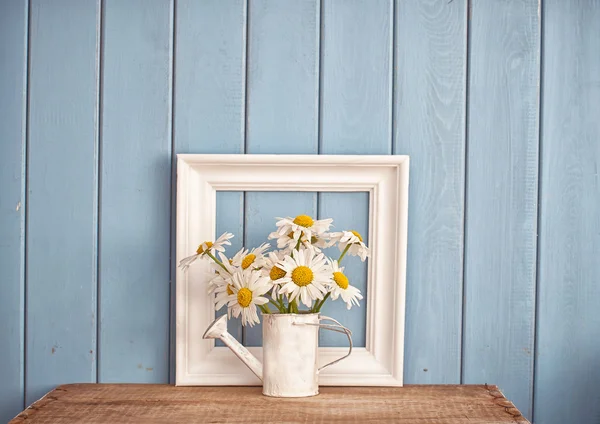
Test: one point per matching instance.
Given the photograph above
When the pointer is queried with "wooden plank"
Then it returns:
(356, 99)
(356, 104)
(209, 76)
(501, 205)
(62, 194)
(210, 99)
(568, 337)
(429, 113)
(282, 106)
(13, 99)
(350, 211)
(135, 191)
(102, 403)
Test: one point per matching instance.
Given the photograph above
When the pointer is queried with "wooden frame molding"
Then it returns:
(199, 177)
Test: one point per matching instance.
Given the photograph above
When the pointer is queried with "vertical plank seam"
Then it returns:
(393, 73)
(320, 31)
(539, 209)
(246, 43)
(99, 138)
(25, 195)
(319, 105)
(463, 302)
(246, 54)
(172, 227)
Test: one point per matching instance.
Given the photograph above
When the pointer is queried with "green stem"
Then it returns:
(276, 305)
(217, 261)
(343, 253)
(293, 307)
(282, 308)
(265, 309)
(319, 304)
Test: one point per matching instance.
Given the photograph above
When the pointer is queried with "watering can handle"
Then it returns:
(339, 328)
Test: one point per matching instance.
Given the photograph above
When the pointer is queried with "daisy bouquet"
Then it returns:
(295, 277)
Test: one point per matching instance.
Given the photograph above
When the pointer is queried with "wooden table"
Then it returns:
(145, 403)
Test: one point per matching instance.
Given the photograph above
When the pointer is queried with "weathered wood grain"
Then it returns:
(501, 204)
(567, 385)
(429, 113)
(135, 191)
(283, 61)
(209, 104)
(62, 189)
(13, 99)
(355, 116)
(130, 403)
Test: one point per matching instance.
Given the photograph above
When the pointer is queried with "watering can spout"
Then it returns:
(218, 330)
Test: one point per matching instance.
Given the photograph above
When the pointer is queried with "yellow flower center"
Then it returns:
(304, 220)
(248, 260)
(230, 261)
(244, 297)
(302, 276)
(229, 291)
(276, 273)
(201, 249)
(341, 280)
(357, 234)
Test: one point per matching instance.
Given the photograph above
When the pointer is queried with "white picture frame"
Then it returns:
(200, 176)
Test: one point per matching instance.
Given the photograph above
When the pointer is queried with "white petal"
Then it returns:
(305, 297)
(260, 300)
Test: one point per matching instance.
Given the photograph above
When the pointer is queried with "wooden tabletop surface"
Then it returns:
(149, 403)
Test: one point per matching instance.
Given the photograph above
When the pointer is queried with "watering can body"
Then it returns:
(290, 352)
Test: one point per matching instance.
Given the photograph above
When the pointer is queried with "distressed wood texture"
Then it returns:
(62, 191)
(567, 386)
(355, 110)
(129, 403)
(283, 61)
(135, 192)
(429, 112)
(210, 87)
(13, 98)
(501, 206)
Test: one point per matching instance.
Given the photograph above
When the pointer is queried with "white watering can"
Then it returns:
(290, 351)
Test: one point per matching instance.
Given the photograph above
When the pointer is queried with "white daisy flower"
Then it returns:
(272, 271)
(340, 286)
(221, 284)
(307, 274)
(205, 248)
(248, 288)
(223, 291)
(254, 257)
(354, 240)
(286, 241)
(225, 268)
(289, 242)
(289, 229)
(317, 242)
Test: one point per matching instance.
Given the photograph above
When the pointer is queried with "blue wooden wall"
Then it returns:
(497, 102)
